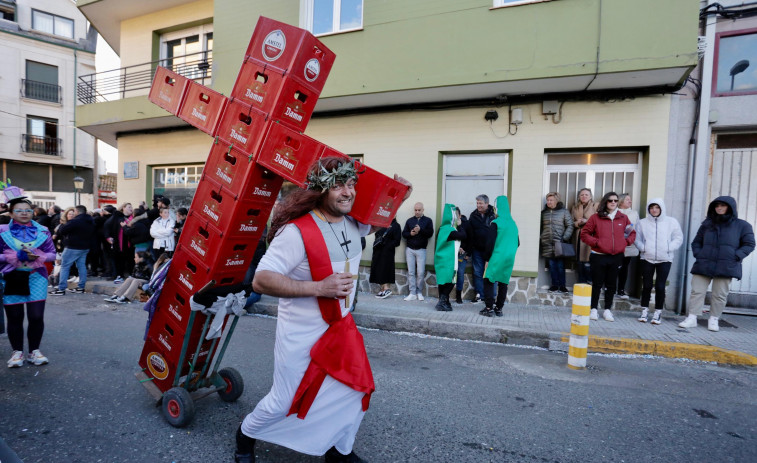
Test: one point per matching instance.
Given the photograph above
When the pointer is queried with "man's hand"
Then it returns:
(338, 285)
(404, 182)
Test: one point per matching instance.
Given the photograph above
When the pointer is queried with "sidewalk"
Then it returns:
(548, 327)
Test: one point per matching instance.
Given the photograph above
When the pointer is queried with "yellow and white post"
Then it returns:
(579, 327)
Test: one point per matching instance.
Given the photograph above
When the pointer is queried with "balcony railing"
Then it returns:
(136, 80)
(38, 144)
(40, 91)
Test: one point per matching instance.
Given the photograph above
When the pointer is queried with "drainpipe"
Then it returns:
(698, 159)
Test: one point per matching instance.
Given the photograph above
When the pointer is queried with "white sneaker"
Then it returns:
(594, 315)
(607, 315)
(36, 358)
(689, 322)
(411, 297)
(644, 314)
(72, 280)
(712, 324)
(420, 297)
(657, 317)
(16, 360)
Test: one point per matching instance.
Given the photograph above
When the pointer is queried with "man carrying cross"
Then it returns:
(322, 381)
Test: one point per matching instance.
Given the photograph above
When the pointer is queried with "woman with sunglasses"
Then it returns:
(607, 232)
(25, 246)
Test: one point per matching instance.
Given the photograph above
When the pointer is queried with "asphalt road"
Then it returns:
(437, 400)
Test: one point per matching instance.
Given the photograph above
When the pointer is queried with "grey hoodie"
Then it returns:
(659, 237)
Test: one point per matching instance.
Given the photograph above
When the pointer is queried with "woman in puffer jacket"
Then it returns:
(608, 232)
(556, 224)
(658, 237)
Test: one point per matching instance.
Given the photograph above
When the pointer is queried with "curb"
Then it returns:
(668, 349)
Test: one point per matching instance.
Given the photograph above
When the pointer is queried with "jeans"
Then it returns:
(251, 300)
(462, 263)
(416, 269)
(648, 270)
(69, 258)
(2, 312)
(604, 270)
(556, 271)
(478, 272)
(584, 272)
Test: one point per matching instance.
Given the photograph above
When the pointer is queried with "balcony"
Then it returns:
(136, 80)
(41, 91)
(37, 144)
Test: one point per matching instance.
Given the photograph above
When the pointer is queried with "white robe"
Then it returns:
(336, 413)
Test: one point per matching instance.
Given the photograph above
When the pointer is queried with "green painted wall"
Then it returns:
(432, 43)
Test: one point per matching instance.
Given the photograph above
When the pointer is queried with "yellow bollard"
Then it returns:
(579, 327)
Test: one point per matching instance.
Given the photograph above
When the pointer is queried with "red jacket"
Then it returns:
(608, 236)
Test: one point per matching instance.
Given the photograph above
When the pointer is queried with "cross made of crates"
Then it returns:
(258, 144)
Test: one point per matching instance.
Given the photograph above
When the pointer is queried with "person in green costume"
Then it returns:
(501, 244)
(448, 240)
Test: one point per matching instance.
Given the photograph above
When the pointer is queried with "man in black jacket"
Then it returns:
(418, 229)
(79, 233)
(723, 241)
(479, 221)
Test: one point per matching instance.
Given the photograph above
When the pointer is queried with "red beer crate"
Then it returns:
(294, 51)
(258, 85)
(214, 202)
(249, 221)
(377, 197)
(294, 105)
(289, 154)
(242, 126)
(241, 175)
(192, 274)
(168, 89)
(202, 107)
(224, 255)
(162, 364)
(174, 303)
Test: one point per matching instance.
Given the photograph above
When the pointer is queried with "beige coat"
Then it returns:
(578, 211)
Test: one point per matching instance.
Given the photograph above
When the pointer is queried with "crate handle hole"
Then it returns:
(229, 158)
(253, 212)
(245, 118)
(267, 174)
(300, 96)
(216, 196)
(204, 98)
(227, 281)
(170, 80)
(260, 77)
(240, 247)
(180, 299)
(294, 143)
(169, 329)
(203, 232)
(192, 267)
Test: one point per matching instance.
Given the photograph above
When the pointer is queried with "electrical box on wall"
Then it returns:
(550, 106)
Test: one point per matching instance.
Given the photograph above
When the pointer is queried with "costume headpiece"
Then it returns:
(322, 179)
(10, 192)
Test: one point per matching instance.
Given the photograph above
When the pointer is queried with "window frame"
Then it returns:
(307, 7)
(507, 4)
(716, 63)
(54, 17)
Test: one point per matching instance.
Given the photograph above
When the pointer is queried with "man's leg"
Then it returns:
(478, 272)
(410, 257)
(420, 270)
(81, 264)
(67, 259)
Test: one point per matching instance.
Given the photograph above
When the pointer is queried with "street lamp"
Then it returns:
(78, 186)
(737, 69)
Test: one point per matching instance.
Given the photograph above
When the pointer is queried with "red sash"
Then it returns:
(340, 352)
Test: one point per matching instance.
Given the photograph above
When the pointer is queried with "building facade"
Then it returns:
(44, 46)
(461, 97)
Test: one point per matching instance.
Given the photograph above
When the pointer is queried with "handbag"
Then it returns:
(563, 249)
(17, 283)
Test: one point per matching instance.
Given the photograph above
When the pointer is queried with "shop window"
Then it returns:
(736, 63)
(188, 52)
(330, 16)
(178, 183)
(469, 175)
(52, 24)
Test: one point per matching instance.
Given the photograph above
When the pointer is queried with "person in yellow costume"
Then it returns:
(501, 245)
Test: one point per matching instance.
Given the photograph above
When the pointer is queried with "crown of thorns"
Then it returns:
(323, 179)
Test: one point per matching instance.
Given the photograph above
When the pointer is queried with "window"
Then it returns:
(735, 54)
(52, 24)
(41, 136)
(41, 82)
(8, 10)
(499, 3)
(179, 183)
(469, 175)
(188, 52)
(329, 16)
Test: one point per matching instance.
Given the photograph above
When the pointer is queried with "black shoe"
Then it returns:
(564, 290)
(486, 312)
(459, 298)
(58, 292)
(553, 289)
(476, 299)
(333, 456)
(440, 306)
(77, 291)
(245, 452)
(498, 311)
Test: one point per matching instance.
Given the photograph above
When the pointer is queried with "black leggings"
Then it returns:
(623, 273)
(604, 272)
(35, 312)
(489, 294)
(647, 274)
(445, 289)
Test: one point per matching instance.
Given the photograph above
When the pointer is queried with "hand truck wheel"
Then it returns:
(234, 384)
(178, 407)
